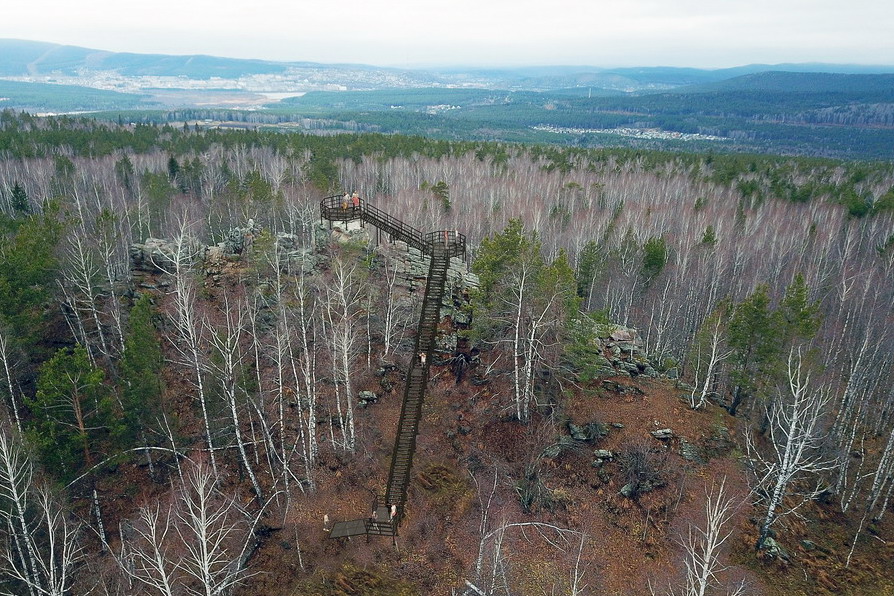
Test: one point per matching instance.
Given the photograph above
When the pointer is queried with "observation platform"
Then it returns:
(440, 246)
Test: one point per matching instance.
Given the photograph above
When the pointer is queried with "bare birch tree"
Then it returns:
(709, 352)
(395, 314)
(304, 372)
(6, 356)
(215, 532)
(703, 546)
(146, 553)
(493, 569)
(522, 307)
(189, 340)
(196, 545)
(343, 310)
(42, 544)
(226, 340)
(82, 295)
(794, 455)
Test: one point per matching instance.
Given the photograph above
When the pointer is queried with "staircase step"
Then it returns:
(417, 377)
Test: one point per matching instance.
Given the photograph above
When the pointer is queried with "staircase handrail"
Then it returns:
(441, 246)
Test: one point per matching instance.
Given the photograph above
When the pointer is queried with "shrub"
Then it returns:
(643, 467)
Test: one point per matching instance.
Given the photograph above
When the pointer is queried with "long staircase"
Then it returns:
(441, 246)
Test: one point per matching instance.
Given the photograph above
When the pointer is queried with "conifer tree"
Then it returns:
(800, 316)
(523, 306)
(72, 412)
(28, 269)
(760, 336)
(654, 258)
(140, 370)
(754, 338)
(19, 199)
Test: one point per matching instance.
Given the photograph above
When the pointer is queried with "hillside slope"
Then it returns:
(40, 58)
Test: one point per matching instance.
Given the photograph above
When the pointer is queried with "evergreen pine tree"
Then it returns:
(140, 372)
(72, 413)
(19, 200)
(754, 334)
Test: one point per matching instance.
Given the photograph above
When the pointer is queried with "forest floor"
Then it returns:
(471, 456)
(474, 460)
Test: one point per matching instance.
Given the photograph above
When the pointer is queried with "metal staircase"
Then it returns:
(440, 246)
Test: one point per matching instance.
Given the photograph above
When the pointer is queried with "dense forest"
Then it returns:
(832, 115)
(166, 425)
(845, 116)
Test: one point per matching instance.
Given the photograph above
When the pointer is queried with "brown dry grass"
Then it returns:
(467, 437)
(466, 440)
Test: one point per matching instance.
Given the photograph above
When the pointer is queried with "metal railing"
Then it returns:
(337, 208)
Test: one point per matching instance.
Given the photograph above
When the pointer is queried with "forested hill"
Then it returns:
(36, 58)
(21, 57)
(775, 81)
(70, 98)
(850, 116)
(190, 357)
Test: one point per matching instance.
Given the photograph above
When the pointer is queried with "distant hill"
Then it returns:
(808, 109)
(35, 58)
(801, 82)
(31, 57)
(642, 78)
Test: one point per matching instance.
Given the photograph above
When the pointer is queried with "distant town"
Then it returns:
(640, 133)
(292, 81)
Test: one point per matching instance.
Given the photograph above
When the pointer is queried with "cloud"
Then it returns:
(646, 32)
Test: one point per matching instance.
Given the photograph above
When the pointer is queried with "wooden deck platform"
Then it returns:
(381, 525)
(345, 529)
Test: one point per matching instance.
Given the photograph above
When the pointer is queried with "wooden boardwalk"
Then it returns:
(441, 246)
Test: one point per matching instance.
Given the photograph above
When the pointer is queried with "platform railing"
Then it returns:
(337, 208)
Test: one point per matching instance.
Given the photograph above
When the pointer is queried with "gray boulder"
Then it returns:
(157, 255)
(600, 456)
(773, 549)
(691, 452)
(366, 398)
(629, 367)
(650, 372)
(591, 431)
(634, 489)
(663, 434)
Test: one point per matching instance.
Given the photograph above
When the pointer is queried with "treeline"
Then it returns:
(748, 115)
(842, 116)
(66, 98)
(854, 114)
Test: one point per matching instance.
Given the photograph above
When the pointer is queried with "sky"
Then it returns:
(487, 33)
